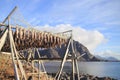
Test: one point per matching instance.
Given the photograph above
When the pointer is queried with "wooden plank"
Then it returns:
(3, 39)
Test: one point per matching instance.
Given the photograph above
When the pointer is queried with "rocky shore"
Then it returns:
(68, 76)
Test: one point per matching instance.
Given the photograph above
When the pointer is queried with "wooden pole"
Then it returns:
(12, 53)
(64, 60)
(74, 62)
(41, 62)
(33, 64)
(3, 38)
(10, 14)
(15, 54)
(39, 70)
(38, 65)
(73, 70)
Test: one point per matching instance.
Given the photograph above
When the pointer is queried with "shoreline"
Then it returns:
(8, 73)
(68, 76)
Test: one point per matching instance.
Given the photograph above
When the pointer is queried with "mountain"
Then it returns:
(99, 57)
(110, 58)
(59, 52)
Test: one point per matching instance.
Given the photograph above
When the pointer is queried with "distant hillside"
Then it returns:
(59, 52)
(111, 59)
(107, 58)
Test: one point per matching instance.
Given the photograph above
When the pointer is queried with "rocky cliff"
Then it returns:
(59, 52)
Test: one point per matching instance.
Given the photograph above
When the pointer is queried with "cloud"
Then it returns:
(91, 39)
(109, 53)
(74, 12)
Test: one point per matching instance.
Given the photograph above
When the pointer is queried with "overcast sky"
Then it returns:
(95, 23)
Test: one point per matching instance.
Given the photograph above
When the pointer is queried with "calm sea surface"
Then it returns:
(111, 69)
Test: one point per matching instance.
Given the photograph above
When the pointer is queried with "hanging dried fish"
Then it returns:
(25, 39)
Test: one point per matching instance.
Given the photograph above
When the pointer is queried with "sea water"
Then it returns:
(101, 69)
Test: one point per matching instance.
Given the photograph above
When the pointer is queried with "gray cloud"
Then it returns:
(91, 39)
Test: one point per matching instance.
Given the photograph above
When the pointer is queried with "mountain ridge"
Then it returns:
(59, 52)
(110, 58)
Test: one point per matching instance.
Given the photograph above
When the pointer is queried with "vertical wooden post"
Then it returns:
(73, 56)
(77, 69)
(13, 49)
(74, 62)
(38, 65)
(41, 63)
(73, 70)
(12, 52)
(33, 64)
(64, 60)
(39, 70)
(33, 70)
(15, 56)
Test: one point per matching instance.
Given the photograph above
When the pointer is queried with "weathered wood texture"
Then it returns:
(25, 38)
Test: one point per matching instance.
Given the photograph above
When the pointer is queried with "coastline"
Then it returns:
(68, 76)
(8, 74)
